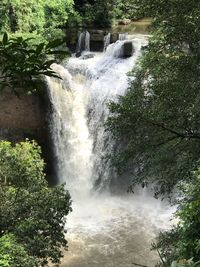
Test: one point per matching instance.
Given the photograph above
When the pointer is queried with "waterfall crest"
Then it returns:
(122, 36)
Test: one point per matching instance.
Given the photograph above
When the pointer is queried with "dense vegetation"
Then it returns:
(32, 214)
(44, 17)
(159, 115)
(26, 51)
(103, 13)
(24, 63)
(14, 254)
(158, 121)
(183, 241)
(47, 18)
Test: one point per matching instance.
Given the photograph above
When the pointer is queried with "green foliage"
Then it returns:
(42, 17)
(183, 241)
(126, 9)
(157, 121)
(57, 12)
(185, 263)
(103, 13)
(48, 17)
(13, 254)
(97, 12)
(23, 63)
(29, 209)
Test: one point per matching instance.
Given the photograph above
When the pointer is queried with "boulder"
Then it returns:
(127, 49)
(87, 56)
(124, 22)
(114, 37)
(78, 54)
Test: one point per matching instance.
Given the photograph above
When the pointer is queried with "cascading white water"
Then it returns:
(107, 39)
(103, 230)
(73, 146)
(122, 36)
(80, 111)
(83, 43)
(87, 41)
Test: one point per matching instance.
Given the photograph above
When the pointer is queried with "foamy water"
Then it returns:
(115, 231)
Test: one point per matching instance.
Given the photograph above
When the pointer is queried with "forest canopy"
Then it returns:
(43, 17)
(48, 18)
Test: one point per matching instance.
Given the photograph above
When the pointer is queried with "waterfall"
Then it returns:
(80, 110)
(107, 39)
(122, 36)
(116, 49)
(73, 146)
(83, 43)
(102, 228)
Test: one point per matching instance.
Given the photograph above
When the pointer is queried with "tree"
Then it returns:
(24, 63)
(183, 241)
(13, 254)
(29, 209)
(57, 14)
(126, 9)
(34, 16)
(157, 121)
(103, 13)
(97, 12)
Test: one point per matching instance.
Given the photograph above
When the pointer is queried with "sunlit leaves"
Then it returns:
(14, 254)
(41, 16)
(29, 209)
(23, 63)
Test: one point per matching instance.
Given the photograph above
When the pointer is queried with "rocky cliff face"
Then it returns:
(26, 117)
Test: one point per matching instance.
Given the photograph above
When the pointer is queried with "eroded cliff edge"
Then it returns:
(25, 117)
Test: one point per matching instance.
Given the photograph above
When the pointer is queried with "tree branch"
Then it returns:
(168, 140)
(186, 135)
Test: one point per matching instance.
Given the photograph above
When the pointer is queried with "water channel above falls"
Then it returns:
(104, 229)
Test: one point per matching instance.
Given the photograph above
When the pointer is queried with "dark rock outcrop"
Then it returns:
(127, 49)
(97, 35)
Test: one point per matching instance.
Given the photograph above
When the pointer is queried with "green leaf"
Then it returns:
(49, 63)
(5, 39)
(54, 43)
(39, 48)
